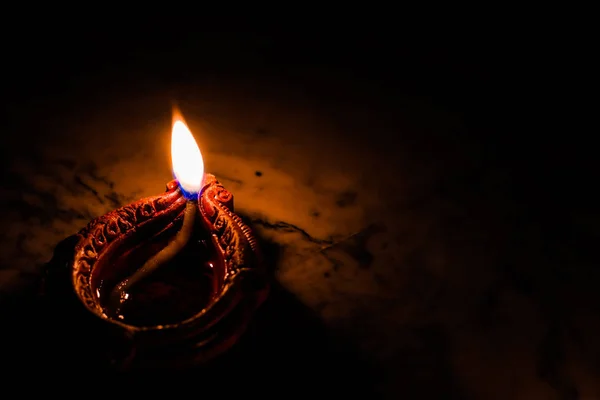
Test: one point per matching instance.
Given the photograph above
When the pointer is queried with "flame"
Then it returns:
(188, 165)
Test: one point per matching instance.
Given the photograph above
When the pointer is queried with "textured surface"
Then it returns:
(419, 250)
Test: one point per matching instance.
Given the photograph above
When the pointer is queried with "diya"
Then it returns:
(171, 280)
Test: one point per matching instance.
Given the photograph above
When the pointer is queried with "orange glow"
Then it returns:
(188, 165)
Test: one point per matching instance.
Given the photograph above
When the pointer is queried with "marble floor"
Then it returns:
(409, 238)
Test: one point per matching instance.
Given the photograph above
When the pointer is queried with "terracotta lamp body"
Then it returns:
(191, 309)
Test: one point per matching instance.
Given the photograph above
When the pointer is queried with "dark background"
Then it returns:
(509, 88)
(503, 89)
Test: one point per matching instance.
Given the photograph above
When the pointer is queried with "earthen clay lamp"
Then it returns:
(177, 276)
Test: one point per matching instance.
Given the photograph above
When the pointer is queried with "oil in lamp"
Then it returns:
(171, 280)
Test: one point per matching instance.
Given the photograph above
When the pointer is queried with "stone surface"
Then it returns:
(416, 247)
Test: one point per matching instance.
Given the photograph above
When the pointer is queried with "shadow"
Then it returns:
(289, 348)
(286, 348)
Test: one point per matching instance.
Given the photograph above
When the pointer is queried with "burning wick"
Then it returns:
(188, 167)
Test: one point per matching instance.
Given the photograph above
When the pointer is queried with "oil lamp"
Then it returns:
(171, 280)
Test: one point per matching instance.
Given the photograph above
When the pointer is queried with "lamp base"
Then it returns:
(186, 313)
